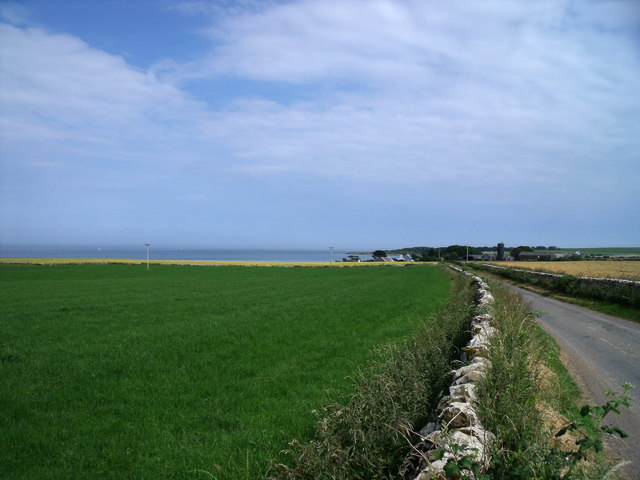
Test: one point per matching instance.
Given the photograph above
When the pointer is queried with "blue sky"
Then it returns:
(302, 124)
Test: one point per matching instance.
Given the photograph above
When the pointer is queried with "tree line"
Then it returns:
(454, 252)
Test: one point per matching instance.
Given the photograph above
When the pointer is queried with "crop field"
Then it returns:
(600, 269)
(115, 371)
(203, 263)
(611, 251)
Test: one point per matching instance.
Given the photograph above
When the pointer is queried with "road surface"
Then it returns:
(601, 352)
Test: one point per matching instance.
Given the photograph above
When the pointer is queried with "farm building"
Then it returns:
(541, 256)
(400, 258)
(484, 257)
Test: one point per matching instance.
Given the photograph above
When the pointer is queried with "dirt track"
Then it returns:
(601, 352)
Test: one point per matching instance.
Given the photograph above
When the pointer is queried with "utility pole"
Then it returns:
(330, 256)
(147, 245)
(467, 253)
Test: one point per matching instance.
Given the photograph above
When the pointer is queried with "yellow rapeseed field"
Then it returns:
(599, 269)
(100, 261)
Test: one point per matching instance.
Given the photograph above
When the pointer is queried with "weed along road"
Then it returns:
(601, 352)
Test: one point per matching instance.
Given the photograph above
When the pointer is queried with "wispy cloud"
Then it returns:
(73, 98)
(417, 99)
(14, 13)
(496, 81)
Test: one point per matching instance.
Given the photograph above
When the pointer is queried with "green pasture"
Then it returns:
(113, 371)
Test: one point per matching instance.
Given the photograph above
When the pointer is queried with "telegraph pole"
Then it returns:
(330, 256)
(147, 245)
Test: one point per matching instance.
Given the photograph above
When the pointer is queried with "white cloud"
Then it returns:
(59, 91)
(468, 85)
(373, 41)
(429, 90)
(423, 99)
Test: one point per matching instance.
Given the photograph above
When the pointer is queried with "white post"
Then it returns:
(330, 255)
(147, 245)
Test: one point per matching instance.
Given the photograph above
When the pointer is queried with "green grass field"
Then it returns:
(113, 371)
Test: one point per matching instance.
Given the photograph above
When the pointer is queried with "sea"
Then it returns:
(166, 253)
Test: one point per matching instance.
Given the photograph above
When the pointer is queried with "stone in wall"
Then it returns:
(458, 422)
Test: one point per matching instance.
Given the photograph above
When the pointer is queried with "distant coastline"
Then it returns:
(162, 253)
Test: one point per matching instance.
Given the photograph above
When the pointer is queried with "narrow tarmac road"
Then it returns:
(601, 352)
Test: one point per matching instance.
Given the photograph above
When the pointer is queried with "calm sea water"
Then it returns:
(140, 253)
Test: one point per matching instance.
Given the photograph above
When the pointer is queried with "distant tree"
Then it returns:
(515, 252)
(461, 250)
(428, 255)
(450, 255)
(541, 247)
(553, 247)
(379, 253)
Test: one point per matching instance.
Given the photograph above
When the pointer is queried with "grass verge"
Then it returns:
(610, 308)
(608, 291)
(527, 397)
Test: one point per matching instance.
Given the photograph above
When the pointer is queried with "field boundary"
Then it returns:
(616, 290)
(559, 275)
(459, 431)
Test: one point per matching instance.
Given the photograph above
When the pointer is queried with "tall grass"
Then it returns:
(518, 394)
(367, 436)
(510, 394)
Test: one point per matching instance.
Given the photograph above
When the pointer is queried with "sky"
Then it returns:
(358, 124)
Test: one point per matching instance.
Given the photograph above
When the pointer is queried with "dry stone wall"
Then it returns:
(595, 280)
(458, 431)
(622, 291)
